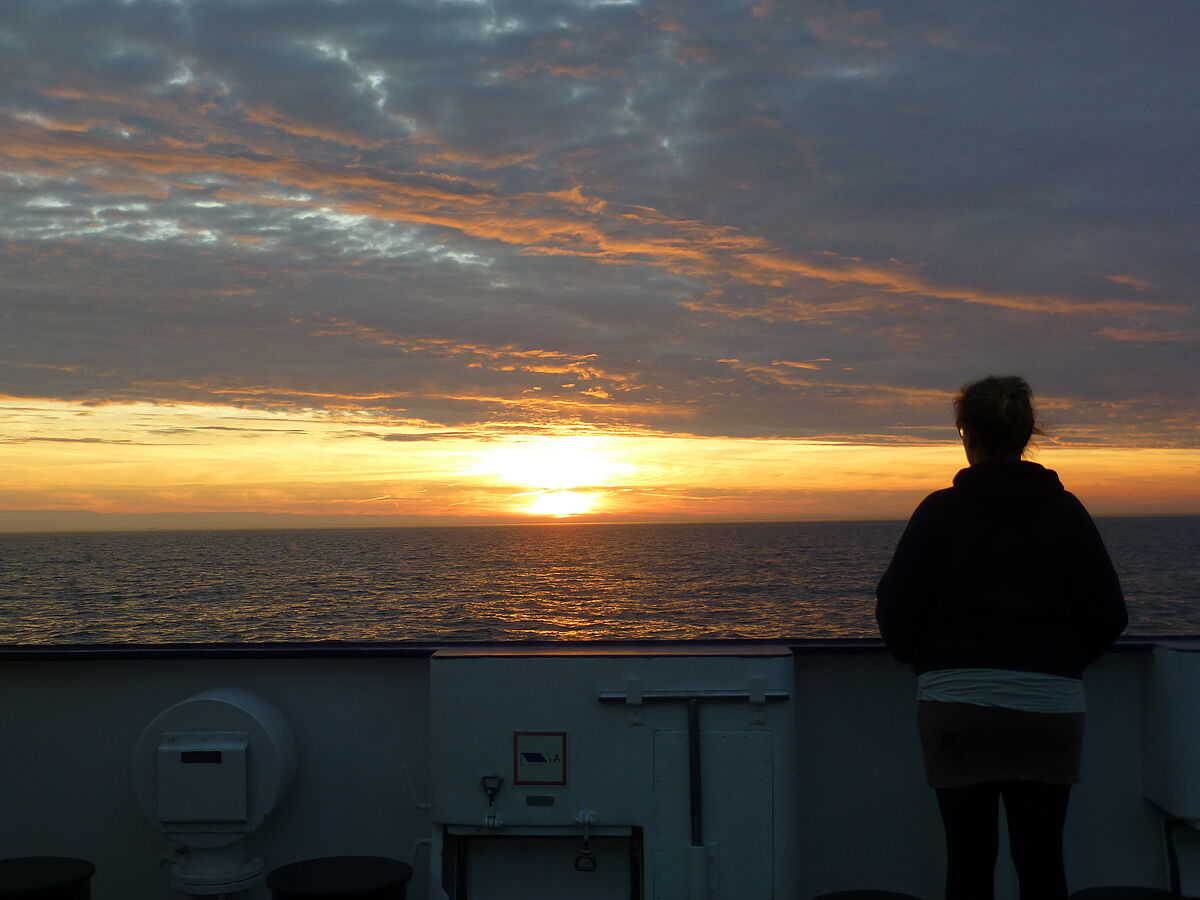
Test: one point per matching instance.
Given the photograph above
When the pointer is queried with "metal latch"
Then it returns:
(584, 861)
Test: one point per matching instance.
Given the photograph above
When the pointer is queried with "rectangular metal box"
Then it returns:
(202, 777)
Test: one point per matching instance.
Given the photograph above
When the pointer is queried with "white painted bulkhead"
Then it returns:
(616, 730)
(362, 715)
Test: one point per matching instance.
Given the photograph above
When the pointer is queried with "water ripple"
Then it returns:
(515, 583)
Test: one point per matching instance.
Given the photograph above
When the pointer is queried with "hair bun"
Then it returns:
(997, 411)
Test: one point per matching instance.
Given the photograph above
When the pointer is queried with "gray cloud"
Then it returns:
(529, 212)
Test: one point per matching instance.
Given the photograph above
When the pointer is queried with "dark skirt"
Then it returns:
(966, 744)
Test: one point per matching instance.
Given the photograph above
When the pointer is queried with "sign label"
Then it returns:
(540, 757)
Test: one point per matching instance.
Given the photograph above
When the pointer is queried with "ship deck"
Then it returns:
(850, 805)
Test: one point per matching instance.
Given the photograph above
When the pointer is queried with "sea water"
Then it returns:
(568, 581)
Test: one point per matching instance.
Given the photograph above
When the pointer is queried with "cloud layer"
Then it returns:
(751, 219)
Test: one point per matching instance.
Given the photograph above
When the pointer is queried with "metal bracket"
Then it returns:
(584, 861)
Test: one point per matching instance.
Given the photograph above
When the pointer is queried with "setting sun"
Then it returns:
(76, 466)
(552, 463)
(561, 504)
(553, 467)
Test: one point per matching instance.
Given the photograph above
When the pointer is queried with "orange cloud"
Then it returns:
(565, 222)
(503, 357)
(59, 124)
(557, 408)
(446, 155)
(781, 372)
(1152, 337)
(891, 279)
(276, 395)
(587, 72)
(263, 114)
(530, 404)
(1138, 284)
(796, 365)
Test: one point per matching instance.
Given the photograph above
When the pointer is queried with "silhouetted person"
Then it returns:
(999, 594)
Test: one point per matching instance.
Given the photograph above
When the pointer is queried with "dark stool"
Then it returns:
(345, 877)
(1122, 893)
(866, 895)
(46, 878)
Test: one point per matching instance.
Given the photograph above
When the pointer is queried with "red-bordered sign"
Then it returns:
(540, 757)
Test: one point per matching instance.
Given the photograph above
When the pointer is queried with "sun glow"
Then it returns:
(561, 504)
(552, 463)
(69, 466)
(555, 467)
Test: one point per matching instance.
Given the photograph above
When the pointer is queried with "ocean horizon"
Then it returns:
(521, 581)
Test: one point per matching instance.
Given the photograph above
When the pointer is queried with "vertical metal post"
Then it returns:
(696, 795)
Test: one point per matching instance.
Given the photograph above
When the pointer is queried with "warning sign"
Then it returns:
(539, 757)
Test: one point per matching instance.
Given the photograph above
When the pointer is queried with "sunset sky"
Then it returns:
(295, 262)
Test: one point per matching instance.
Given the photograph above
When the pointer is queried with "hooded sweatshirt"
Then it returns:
(1004, 570)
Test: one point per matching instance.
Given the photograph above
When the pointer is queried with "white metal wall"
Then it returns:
(864, 817)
